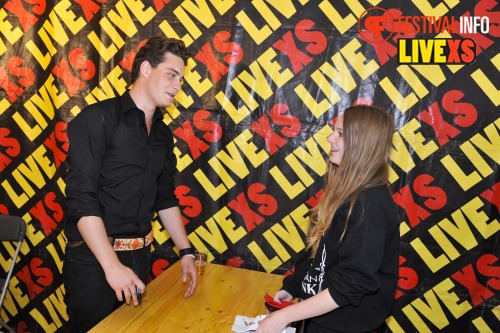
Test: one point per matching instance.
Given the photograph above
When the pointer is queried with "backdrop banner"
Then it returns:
(265, 82)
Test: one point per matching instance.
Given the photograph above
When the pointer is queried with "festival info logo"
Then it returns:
(377, 25)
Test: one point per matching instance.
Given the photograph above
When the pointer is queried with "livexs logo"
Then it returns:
(436, 51)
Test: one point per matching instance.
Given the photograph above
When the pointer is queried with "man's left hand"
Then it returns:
(188, 268)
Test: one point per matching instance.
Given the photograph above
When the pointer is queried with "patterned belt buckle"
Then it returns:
(130, 244)
(149, 238)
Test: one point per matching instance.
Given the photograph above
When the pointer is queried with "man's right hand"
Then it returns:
(124, 282)
(121, 278)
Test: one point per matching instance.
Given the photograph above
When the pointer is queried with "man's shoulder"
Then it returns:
(104, 105)
(103, 114)
(101, 109)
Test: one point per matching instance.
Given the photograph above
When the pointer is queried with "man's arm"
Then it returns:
(172, 221)
(121, 278)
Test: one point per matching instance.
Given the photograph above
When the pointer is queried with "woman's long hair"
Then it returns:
(367, 133)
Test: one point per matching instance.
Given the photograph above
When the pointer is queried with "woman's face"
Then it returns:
(336, 141)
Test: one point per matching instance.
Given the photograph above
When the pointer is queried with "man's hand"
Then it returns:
(188, 268)
(124, 282)
(172, 221)
(121, 278)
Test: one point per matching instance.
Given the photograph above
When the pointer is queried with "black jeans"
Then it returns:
(89, 298)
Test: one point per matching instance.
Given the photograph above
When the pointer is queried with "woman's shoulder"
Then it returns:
(377, 193)
(375, 199)
(379, 201)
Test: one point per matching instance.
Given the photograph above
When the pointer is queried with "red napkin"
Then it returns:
(270, 300)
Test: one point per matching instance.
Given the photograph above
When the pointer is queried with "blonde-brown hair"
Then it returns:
(367, 133)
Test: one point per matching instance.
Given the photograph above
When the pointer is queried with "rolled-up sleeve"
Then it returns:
(87, 146)
(165, 195)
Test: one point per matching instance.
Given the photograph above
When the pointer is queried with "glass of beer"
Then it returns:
(200, 261)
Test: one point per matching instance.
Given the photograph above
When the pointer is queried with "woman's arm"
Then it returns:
(311, 307)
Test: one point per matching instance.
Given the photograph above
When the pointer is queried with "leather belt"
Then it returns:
(123, 244)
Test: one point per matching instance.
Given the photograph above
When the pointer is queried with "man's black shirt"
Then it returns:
(115, 170)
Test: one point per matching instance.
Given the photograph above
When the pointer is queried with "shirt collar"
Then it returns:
(127, 104)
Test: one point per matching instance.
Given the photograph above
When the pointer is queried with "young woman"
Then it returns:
(347, 277)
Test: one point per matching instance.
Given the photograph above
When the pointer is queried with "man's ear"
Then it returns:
(145, 68)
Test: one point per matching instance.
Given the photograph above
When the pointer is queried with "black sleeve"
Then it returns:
(293, 283)
(361, 252)
(88, 139)
(165, 184)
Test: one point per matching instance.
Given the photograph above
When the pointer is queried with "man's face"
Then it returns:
(165, 81)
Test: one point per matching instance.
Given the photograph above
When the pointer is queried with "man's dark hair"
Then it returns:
(154, 52)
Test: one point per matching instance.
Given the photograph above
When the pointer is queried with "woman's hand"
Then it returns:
(274, 323)
(283, 295)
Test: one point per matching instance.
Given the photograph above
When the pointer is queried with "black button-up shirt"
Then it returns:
(116, 171)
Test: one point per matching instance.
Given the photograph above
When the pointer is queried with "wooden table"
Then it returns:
(222, 293)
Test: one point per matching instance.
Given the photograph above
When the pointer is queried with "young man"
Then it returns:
(120, 172)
